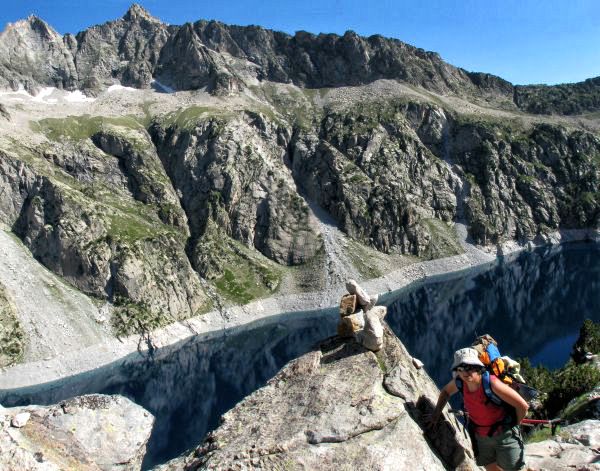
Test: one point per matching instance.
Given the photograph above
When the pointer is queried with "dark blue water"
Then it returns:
(533, 305)
(555, 353)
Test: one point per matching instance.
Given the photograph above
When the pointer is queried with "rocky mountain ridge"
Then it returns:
(154, 216)
(138, 48)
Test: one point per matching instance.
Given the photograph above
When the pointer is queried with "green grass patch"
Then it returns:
(77, 128)
(295, 105)
(146, 120)
(240, 287)
(247, 280)
(240, 274)
(188, 118)
(136, 318)
(527, 180)
(123, 218)
(444, 239)
(576, 407)
(544, 433)
(364, 259)
(127, 228)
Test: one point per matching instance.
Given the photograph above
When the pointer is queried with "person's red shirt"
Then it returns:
(482, 414)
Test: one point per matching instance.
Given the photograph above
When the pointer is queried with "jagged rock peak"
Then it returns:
(32, 22)
(138, 12)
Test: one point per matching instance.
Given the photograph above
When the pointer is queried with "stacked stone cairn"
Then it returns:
(360, 318)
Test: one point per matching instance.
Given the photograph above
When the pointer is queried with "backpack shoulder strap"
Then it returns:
(486, 382)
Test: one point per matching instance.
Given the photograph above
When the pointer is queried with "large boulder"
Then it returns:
(87, 432)
(575, 447)
(339, 406)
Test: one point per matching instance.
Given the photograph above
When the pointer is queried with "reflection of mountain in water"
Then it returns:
(524, 304)
(189, 387)
(535, 299)
(195, 385)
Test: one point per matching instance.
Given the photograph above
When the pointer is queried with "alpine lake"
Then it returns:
(533, 303)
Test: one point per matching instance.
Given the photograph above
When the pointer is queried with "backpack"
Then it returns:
(504, 368)
(490, 356)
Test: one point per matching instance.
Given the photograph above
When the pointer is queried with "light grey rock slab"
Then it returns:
(86, 433)
(340, 406)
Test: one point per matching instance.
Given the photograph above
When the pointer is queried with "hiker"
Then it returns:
(494, 429)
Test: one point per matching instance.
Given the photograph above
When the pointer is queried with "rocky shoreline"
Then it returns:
(135, 348)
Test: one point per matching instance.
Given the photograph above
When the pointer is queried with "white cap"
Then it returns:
(466, 356)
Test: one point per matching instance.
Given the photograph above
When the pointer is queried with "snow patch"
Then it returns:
(43, 96)
(117, 86)
(45, 92)
(78, 97)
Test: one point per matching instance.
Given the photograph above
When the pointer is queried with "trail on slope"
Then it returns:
(56, 318)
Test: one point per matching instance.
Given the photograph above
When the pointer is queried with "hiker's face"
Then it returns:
(469, 373)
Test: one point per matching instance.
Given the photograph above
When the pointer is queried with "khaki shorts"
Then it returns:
(505, 449)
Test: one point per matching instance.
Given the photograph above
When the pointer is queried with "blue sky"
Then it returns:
(523, 41)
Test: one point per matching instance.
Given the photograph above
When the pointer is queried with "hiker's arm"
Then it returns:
(445, 394)
(512, 397)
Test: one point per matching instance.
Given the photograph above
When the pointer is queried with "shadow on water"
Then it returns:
(526, 303)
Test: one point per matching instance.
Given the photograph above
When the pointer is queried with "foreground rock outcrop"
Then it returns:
(575, 447)
(85, 433)
(339, 406)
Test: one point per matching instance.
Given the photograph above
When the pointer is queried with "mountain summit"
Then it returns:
(137, 12)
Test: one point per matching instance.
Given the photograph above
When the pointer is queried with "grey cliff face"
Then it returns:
(230, 173)
(34, 55)
(111, 225)
(523, 185)
(126, 49)
(376, 178)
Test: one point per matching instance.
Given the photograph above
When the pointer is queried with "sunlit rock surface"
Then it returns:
(87, 432)
(575, 447)
(338, 406)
